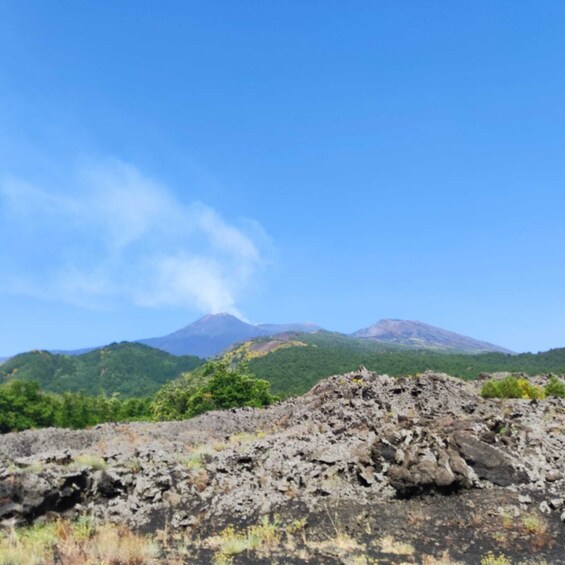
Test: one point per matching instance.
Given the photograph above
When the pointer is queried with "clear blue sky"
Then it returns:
(335, 162)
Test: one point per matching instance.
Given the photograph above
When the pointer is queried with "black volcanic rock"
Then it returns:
(418, 334)
(360, 451)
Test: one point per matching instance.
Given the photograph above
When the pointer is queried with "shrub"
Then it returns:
(512, 387)
(215, 386)
(555, 387)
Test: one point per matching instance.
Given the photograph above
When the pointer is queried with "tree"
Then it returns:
(215, 386)
(23, 406)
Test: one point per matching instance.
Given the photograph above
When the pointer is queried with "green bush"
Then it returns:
(23, 406)
(512, 387)
(555, 387)
(215, 386)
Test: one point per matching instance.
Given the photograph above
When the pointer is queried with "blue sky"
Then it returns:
(335, 162)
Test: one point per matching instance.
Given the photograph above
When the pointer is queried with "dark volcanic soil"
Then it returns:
(412, 470)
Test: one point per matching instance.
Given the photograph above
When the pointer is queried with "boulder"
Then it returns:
(487, 461)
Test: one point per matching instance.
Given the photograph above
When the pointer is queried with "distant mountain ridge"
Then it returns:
(213, 333)
(131, 369)
(417, 334)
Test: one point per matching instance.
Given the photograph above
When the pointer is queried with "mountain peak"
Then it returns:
(213, 333)
(217, 316)
(419, 334)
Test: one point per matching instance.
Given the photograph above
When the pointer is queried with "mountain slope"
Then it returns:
(207, 336)
(131, 369)
(214, 333)
(294, 364)
(418, 334)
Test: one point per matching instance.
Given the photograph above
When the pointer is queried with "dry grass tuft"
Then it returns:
(533, 523)
(444, 559)
(492, 559)
(195, 458)
(390, 545)
(69, 543)
(92, 461)
(261, 538)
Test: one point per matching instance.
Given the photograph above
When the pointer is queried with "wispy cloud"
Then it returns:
(111, 233)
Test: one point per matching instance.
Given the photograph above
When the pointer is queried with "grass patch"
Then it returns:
(33, 469)
(247, 437)
(534, 524)
(134, 465)
(491, 559)
(63, 542)
(92, 461)
(195, 457)
(261, 538)
(390, 545)
(443, 559)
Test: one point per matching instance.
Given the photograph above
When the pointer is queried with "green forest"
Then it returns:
(24, 405)
(294, 370)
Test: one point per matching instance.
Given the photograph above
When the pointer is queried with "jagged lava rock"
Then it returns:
(359, 438)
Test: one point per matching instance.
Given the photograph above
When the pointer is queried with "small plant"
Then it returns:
(231, 544)
(491, 559)
(266, 532)
(507, 519)
(247, 437)
(219, 446)
(261, 537)
(390, 545)
(534, 523)
(85, 527)
(444, 559)
(194, 459)
(415, 517)
(33, 468)
(555, 387)
(134, 465)
(93, 461)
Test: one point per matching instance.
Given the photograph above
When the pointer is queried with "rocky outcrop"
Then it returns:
(361, 439)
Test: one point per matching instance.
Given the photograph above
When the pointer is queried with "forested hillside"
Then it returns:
(293, 364)
(294, 370)
(131, 369)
